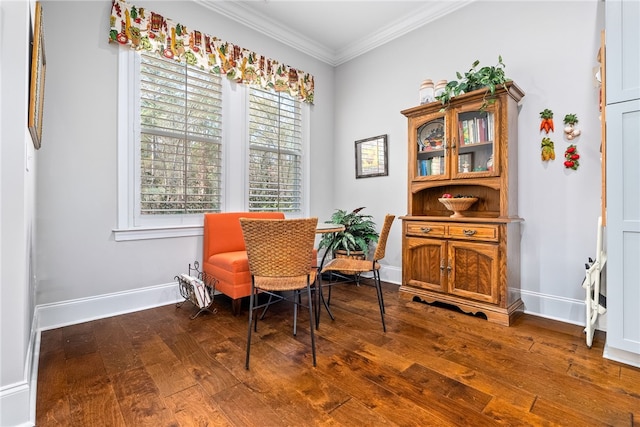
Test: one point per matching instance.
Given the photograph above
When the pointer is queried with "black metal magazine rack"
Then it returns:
(189, 289)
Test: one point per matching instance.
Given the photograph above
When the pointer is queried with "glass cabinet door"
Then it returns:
(432, 156)
(475, 148)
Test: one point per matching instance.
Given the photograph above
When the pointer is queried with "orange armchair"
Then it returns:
(224, 255)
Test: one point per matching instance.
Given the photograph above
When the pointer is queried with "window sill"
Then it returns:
(145, 233)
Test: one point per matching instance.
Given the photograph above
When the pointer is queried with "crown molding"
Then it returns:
(248, 17)
(432, 11)
(244, 15)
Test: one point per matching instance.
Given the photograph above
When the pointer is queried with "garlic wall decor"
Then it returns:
(570, 122)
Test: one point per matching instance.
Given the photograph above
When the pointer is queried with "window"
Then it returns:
(191, 142)
(180, 139)
(275, 152)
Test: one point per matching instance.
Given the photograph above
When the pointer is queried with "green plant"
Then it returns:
(359, 231)
(485, 77)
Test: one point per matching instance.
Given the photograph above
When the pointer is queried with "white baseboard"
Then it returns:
(621, 356)
(18, 401)
(566, 310)
(391, 274)
(56, 315)
(15, 401)
(81, 310)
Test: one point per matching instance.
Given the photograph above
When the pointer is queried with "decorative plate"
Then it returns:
(431, 134)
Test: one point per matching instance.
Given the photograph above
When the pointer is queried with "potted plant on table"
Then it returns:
(359, 232)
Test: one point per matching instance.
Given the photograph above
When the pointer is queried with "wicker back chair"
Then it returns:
(279, 254)
(341, 267)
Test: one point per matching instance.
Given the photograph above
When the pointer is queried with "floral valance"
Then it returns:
(150, 31)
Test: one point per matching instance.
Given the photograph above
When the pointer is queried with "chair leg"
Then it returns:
(251, 302)
(322, 301)
(255, 318)
(381, 294)
(319, 298)
(376, 278)
(296, 302)
(313, 338)
(264, 311)
(325, 302)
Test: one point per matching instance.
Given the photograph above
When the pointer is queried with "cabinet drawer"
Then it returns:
(425, 229)
(474, 231)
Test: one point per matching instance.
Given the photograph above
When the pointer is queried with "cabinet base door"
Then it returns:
(424, 263)
(474, 271)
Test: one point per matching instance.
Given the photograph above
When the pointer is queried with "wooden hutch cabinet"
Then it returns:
(468, 148)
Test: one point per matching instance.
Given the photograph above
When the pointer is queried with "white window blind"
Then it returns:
(180, 139)
(275, 152)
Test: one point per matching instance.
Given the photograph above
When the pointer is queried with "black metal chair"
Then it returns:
(345, 267)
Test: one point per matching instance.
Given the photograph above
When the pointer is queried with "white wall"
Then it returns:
(17, 169)
(549, 49)
(77, 255)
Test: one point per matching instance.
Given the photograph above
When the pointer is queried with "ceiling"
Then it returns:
(334, 31)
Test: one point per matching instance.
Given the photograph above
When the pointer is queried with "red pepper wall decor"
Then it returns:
(571, 157)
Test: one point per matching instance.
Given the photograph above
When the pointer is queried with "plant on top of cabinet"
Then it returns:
(474, 79)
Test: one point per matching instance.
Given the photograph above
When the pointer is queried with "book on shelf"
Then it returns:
(473, 132)
(465, 132)
(480, 129)
(490, 130)
(437, 165)
(424, 167)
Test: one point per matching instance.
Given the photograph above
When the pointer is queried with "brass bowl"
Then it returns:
(458, 204)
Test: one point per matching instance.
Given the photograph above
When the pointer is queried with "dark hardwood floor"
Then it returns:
(433, 367)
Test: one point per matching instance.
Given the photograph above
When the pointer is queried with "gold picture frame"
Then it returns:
(36, 88)
(371, 157)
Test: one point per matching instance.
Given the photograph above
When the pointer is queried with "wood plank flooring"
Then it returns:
(433, 367)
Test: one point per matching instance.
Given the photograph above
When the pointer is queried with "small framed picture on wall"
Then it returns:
(371, 157)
